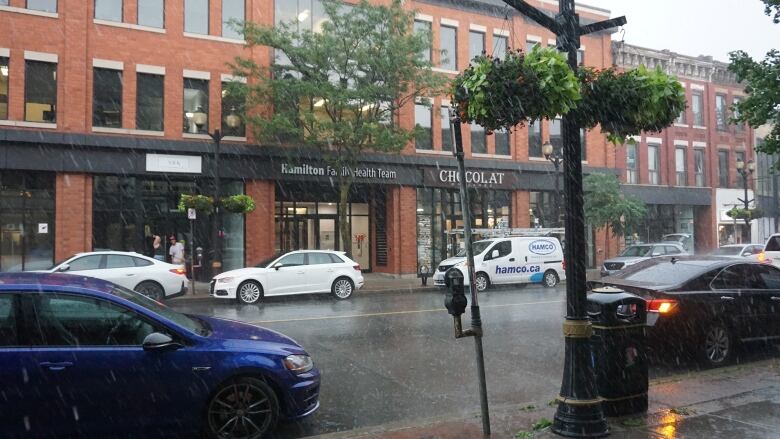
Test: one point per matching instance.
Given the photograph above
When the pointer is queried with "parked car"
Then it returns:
(156, 279)
(684, 239)
(704, 305)
(508, 261)
(634, 254)
(772, 250)
(738, 251)
(83, 357)
(297, 272)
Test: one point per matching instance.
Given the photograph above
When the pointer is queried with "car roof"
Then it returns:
(54, 280)
(698, 265)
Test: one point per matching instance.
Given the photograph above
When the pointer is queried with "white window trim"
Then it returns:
(196, 136)
(441, 70)
(699, 127)
(478, 28)
(214, 38)
(26, 124)
(432, 151)
(234, 138)
(637, 139)
(196, 74)
(445, 103)
(533, 39)
(501, 32)
(128, 131)
(683, 84)
(582, 47)
(153, 70)
(656, 140)
(680, 142)
(132, 26)
(480, 155)
(682, 125)
(537, 159)
(29, 12)
(107, 64)
(41, 56)
(225, 77)
(697, 87)
(697, 144)
(423, 17)
(5, 52)
(449, 22)
(552, 42)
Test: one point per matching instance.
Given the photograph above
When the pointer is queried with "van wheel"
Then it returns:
(550, 279)
(482, 282)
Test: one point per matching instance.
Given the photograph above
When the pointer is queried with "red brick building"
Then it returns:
(101, 129)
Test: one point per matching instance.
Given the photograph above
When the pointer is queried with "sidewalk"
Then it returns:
(732, 402)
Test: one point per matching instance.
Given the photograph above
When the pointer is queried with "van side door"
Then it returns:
(501, 264)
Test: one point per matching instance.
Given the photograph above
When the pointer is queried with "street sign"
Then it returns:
(191, 214)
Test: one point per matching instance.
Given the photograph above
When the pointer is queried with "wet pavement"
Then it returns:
(389, 361)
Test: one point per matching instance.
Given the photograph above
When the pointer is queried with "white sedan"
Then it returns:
(298, 272)
(156, 279)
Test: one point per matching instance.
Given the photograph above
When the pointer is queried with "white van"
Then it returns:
(510, 260)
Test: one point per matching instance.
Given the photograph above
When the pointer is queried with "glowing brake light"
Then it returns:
(661, 306)
(762, 257)
(179, 271)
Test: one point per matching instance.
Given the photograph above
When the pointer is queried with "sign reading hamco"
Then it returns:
(474, 178)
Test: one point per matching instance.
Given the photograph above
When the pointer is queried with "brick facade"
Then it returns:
(259, 232)
(73, 214)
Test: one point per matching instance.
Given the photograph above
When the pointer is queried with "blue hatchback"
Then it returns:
(84, 357)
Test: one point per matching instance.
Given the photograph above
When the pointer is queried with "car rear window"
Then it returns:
(335, 259)
(665, 273)
(141, 262)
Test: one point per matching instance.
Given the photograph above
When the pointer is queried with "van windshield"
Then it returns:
(479, 247)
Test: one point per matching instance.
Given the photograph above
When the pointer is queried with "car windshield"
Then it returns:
(664, 273)
(727, 251)
(478, 248)
(637, 251)
(191, 323)
(267, 262)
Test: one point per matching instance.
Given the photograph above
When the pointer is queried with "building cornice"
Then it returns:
(698, 68)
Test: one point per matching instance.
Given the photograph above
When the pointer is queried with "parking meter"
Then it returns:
(455, 300)
(199, 256)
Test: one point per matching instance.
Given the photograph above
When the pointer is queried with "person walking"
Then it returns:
(176, 251)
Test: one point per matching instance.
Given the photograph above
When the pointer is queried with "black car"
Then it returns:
(704, 305)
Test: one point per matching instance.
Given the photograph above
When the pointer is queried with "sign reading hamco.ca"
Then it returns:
(474, 178)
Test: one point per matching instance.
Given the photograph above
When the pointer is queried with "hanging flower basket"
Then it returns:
(238, 204)
(499, 94)
(201, 203)
(744, 214)
(627, 103)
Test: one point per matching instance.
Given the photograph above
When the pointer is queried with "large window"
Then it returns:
(723, 168)
(424, 27)
(535, 139)
(697, 105)
(149, 102)
(110, 10)
(720, 112)
(476, 44)
(42, 5)
(233, 12)
(4, 73)
(40, 92)
(196, 16)
(151, 13)
(423, 122)
(449, 44)
(446, 132)
(698, 164)
(556, 136)
(681, 166)
(196, 104)
(500, 44)
(502, 141)
(233, 107)
(529, 45)
(26, 202)
(738, 126)
(682, 119)
(653, 164)
(632, 176)
(478, 139)
(107, 98)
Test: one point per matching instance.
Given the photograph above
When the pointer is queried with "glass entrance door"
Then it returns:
(328, 232)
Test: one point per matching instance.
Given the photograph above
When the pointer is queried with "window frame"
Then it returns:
(111, 2)
(654, 175)
(681, 176)
(205, 128)
(723, 165)
(700, 177)
(225, 23)
(698, 110)
(632, 172)
(208, 18)
(720, 112)
(138, 101)
(138, 14)
(451, 57)
(482, 34)
(56, 7)
(427, 136)
(533, 147)
(95, 71)
(27, 84)
(473, 133)
(7, 65)
(446, 128)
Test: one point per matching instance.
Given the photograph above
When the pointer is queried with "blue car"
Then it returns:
(87, 358)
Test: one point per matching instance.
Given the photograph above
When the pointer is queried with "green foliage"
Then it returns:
(238, 203)
(606, 206)
(535, 428)
(772, 7)
(627, 103)
(498, 93)
(744, 214)
(201, 203)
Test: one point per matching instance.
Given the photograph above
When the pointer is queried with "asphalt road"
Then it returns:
(392, 357)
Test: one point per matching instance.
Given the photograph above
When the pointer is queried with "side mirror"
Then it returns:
(494, 254)
(63, 268)
(746, 253)
(157, 341)
(278, 265)
(655, 254)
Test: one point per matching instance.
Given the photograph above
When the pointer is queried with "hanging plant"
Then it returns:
(627, 103)
(497, 94)
(744, 214)
(200, 203)
(238, 204)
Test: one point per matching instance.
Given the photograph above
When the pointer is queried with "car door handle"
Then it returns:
(726, 298)
(301, 272)
(56, 365)
(130, 274)
(511, 259)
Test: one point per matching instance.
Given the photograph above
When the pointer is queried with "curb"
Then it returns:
(199, 297)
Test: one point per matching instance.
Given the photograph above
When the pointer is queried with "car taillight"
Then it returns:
(762, 258)
(356, 267)
(179, 271)
(661, 306)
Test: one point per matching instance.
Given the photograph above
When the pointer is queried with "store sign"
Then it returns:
(474, 178)
(366, 172)
(185, 164)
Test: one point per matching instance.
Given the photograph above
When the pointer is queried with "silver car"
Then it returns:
(738, 251)
(638, 253)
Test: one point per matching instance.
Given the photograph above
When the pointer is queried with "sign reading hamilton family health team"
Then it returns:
(371, 173)
(474, 178)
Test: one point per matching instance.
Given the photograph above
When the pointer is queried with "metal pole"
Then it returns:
(192, 257)
(216, 262)
(557, 164)
(476, 319)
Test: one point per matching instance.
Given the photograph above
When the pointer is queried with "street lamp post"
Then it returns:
(745, 171)
(554, 156)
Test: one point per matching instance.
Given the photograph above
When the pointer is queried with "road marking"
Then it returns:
(392, 313)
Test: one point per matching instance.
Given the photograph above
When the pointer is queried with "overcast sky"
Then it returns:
(696, 27)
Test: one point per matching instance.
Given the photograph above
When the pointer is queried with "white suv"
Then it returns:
(771, 251)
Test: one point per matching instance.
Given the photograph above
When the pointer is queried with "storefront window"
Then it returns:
(3, 87)
(26, 220)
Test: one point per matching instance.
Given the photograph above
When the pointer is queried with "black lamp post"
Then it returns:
(745, 172)
(554, 155)
(232, 120)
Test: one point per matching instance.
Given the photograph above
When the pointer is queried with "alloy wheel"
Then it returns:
(342, 288)
(150, 290)
(242, 410)
(717, 345)
(482, 282)
(550, 279)
(249, 292)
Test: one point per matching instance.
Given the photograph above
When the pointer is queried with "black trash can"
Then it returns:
(619, 322)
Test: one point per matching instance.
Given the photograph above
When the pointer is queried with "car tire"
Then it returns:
(150, 289)
(342, 288)
(482, 281)
(550, 279)
(248, 407)
(249, 292)
(717, 345)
